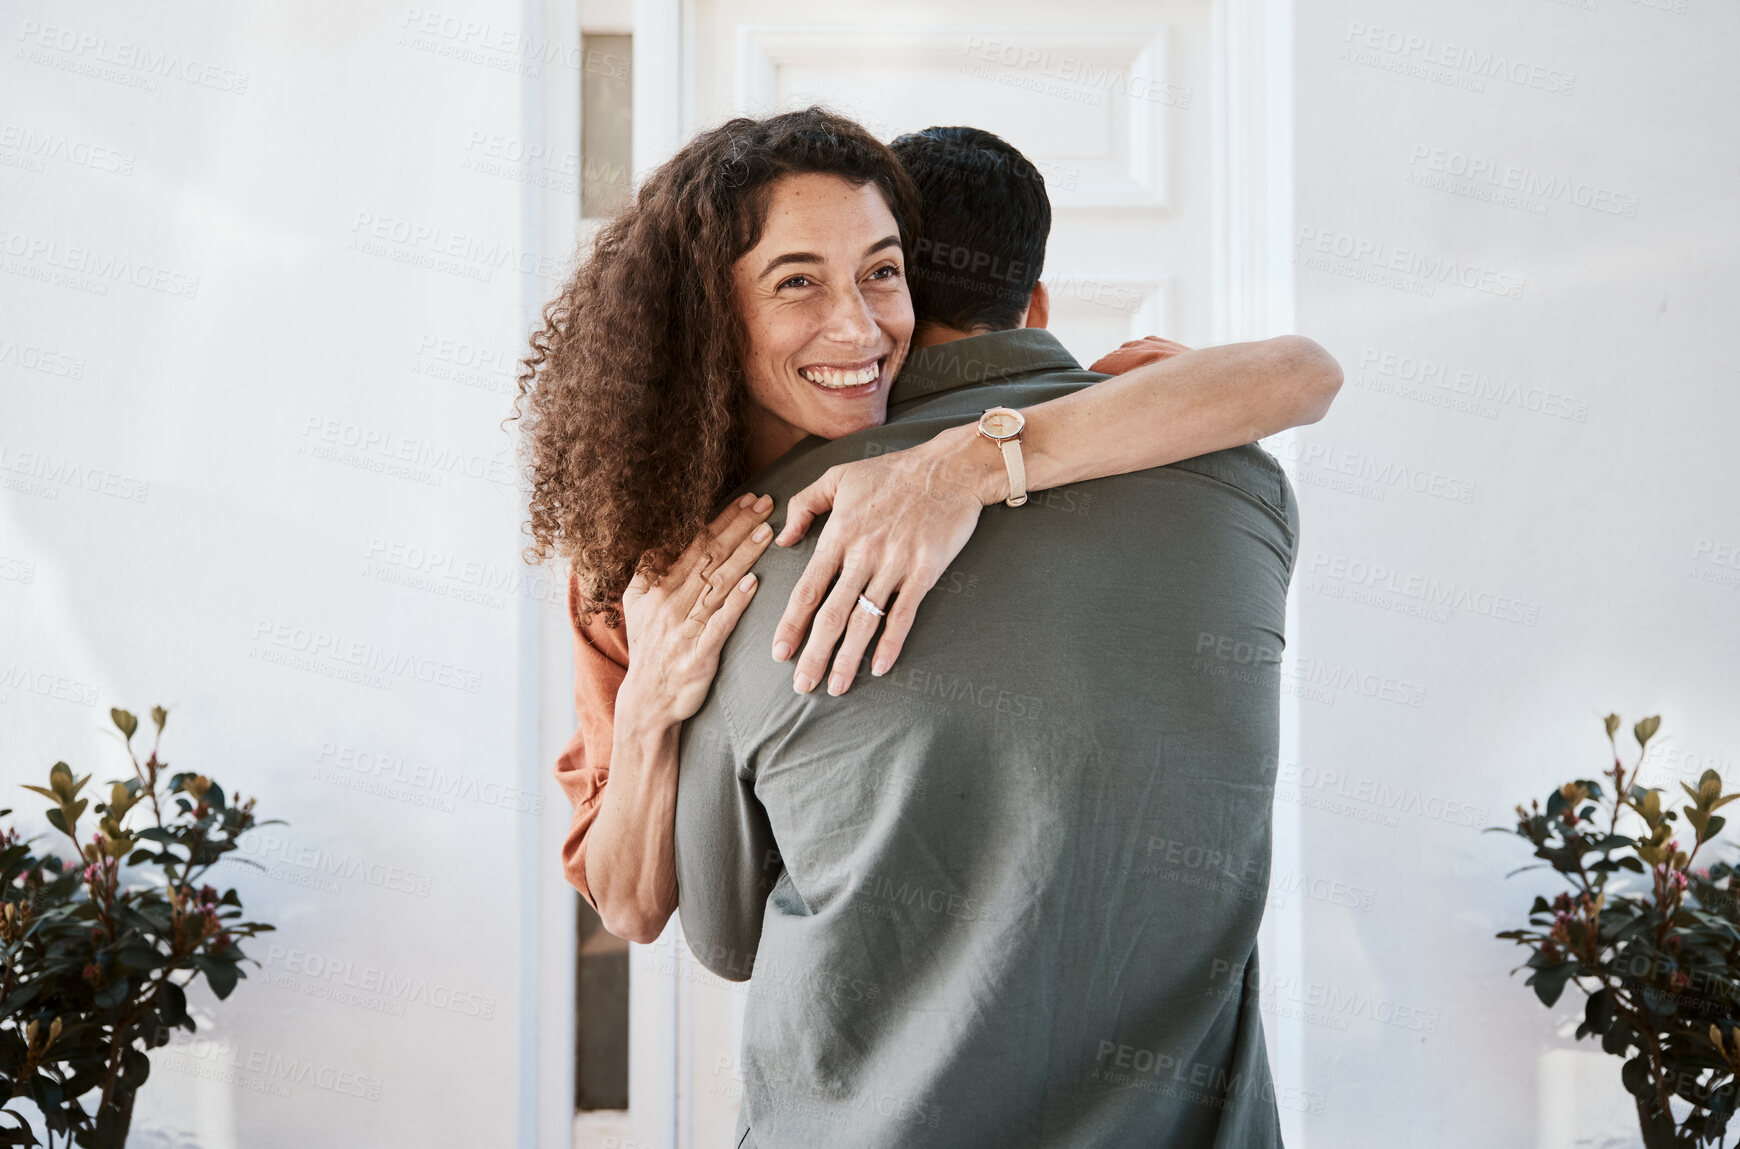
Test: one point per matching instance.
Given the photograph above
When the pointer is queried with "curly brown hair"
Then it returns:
(633, 398)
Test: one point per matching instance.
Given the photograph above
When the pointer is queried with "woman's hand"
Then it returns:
(676, 627)
(898, 520)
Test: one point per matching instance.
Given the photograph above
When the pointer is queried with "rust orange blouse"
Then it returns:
(600, 661)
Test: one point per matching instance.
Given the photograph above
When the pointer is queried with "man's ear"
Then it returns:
(1038, 306)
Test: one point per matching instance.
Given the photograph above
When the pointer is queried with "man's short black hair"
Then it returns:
(986, 219)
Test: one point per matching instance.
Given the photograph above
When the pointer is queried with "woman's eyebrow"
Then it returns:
(885, 242)
(790, 257)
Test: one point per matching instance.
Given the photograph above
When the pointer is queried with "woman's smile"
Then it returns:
(847, 380)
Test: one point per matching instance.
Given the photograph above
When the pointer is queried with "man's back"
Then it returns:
(1012, 888)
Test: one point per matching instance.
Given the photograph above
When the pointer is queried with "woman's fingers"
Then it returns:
(723, 577)
(860, 629)
(687, 577)
(802, 508)
(899, 624)
(806, 596)
(830, 623)
(724, 620)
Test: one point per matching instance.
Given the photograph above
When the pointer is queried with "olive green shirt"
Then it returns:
(1007, 895)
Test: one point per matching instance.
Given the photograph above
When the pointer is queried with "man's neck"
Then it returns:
(931, 334)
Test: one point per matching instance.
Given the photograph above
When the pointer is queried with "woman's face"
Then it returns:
(824, 299)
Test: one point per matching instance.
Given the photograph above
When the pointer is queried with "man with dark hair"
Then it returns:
(1008, 894)
(976, 266)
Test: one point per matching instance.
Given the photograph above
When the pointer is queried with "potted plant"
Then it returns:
(1650, 937)
(97, 952)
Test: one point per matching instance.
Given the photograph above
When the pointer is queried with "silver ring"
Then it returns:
(870, 606)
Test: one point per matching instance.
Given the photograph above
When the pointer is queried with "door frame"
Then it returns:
(1253, 298)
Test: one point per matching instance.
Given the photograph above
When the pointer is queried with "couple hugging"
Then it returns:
(1000, 884)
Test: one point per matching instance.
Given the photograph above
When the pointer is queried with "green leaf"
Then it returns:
(1715, 826)
(124, 722)
(159, 716)
(1646, 728)
(221, 975)
(1612, 722)
(1598, 1013)
(1549, 983)
(1635, 1075)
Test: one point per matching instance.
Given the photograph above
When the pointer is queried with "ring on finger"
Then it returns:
(866, 604)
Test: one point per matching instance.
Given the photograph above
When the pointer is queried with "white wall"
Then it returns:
(277, 459)
(174, 522)
(1584, 492)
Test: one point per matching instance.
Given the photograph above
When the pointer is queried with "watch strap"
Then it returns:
(1017, 471)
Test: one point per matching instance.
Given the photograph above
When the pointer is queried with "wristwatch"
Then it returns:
(1003, 426)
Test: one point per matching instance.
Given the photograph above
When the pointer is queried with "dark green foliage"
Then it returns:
(1658, 954)
(96, 953)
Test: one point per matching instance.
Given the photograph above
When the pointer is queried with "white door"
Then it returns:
(1141, 114)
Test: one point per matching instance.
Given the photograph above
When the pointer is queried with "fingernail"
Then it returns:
(765, 502)
(837, 684)
(781, 651)
(802, 683)
(746, 581)
(761, 532)
(746, 500)
(878, 668)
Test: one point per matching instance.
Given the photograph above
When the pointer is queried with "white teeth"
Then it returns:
(836, 379)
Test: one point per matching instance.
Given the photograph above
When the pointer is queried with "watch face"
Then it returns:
(1001, 424)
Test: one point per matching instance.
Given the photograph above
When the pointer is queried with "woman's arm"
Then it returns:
(1188, 405)
(901, 518)
(618, 851)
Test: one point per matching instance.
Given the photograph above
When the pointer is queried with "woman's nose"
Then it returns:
(851, 320)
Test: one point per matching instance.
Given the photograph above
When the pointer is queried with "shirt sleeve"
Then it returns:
(600, 662)
(727, 860)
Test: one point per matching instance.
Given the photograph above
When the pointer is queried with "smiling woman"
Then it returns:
(828, 315)
(755, 295)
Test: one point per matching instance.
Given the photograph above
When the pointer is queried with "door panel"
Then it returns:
(1111, 107)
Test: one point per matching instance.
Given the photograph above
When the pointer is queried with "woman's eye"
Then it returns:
(890, 271)
(796, 281)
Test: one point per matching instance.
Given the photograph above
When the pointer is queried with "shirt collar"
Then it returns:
(979, 359)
